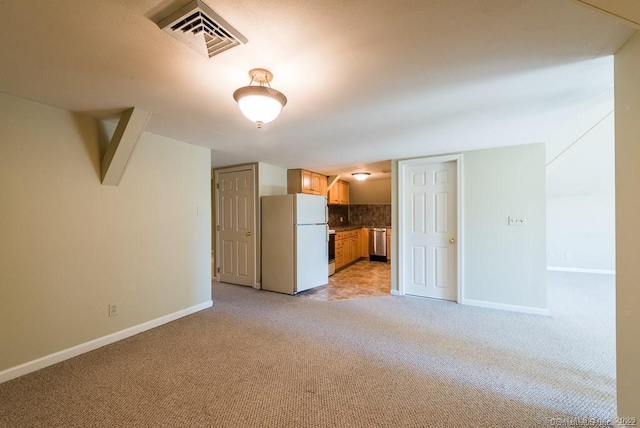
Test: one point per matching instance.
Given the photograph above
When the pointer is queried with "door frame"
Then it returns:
(256, 260)
(402, 164)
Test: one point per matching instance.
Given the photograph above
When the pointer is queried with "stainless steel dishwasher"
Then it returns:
(378, 244)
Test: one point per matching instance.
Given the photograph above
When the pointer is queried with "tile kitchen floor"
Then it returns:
(362, 279)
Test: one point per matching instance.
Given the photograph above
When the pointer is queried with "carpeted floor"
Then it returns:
(261, 359)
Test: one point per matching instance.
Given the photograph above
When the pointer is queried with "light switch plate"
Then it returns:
(516, 221)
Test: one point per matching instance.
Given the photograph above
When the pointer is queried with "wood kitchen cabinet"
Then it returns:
(344, 192)
(304, 181)
(333, 198)
(319, 183)
(340, 253)
(339, 193)
(348, 248)
(354, 246)
(364, 242)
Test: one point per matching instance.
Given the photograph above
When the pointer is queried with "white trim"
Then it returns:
(506, 307)
(460, 193)
(581, 270)
(395, 293)
(74, 351)
(458, 159)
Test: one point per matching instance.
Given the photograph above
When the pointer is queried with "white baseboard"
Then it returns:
(395, 293)
(506, 307)
(65, 354)
(581, 270)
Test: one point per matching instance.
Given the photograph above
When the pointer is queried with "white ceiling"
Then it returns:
(366, 81)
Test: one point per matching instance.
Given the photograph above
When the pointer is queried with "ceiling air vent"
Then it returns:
(197, 25)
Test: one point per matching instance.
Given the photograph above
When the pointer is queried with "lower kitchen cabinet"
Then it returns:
(355, 246)
(364, 242)
(340, 260)
(348, 247)
(352, 245)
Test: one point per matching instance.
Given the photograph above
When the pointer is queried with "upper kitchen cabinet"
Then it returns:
(344, 192)
(303, 181)
(339, 193)
(334, 194)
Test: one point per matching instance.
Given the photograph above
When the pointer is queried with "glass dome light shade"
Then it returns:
(360, 176)
(260, 104)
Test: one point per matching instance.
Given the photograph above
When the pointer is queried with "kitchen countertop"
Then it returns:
(347, 228)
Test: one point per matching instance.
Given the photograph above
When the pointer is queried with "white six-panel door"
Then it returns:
(429, 228)
(236, 212)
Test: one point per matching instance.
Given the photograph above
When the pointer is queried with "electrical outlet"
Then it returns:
(113, 310)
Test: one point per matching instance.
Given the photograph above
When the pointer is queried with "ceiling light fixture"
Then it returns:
(361, 176)
(260, 104)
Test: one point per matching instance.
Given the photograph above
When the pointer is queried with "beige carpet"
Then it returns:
(261, 359)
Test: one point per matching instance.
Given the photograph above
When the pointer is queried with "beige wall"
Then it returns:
(581, 204)
(272, 180)
(370, 192)
(627, 96)
(71, 246)
(505, 264)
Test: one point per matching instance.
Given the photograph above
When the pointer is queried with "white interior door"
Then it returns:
(236, 227)
(429, 214)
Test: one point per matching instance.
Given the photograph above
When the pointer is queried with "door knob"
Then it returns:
(452, 240)
(248, 233)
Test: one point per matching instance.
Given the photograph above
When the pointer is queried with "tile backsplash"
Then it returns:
(370, 215)
(376, 215)
(336, 212)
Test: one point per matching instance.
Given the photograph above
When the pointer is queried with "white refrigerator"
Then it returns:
(295, 237)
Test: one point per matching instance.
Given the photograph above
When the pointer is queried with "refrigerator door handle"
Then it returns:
(327, 226)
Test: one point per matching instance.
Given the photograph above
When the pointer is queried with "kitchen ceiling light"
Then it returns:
(259, 103)
(361, 176)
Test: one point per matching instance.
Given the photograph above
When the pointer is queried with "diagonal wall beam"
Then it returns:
(130, 127)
